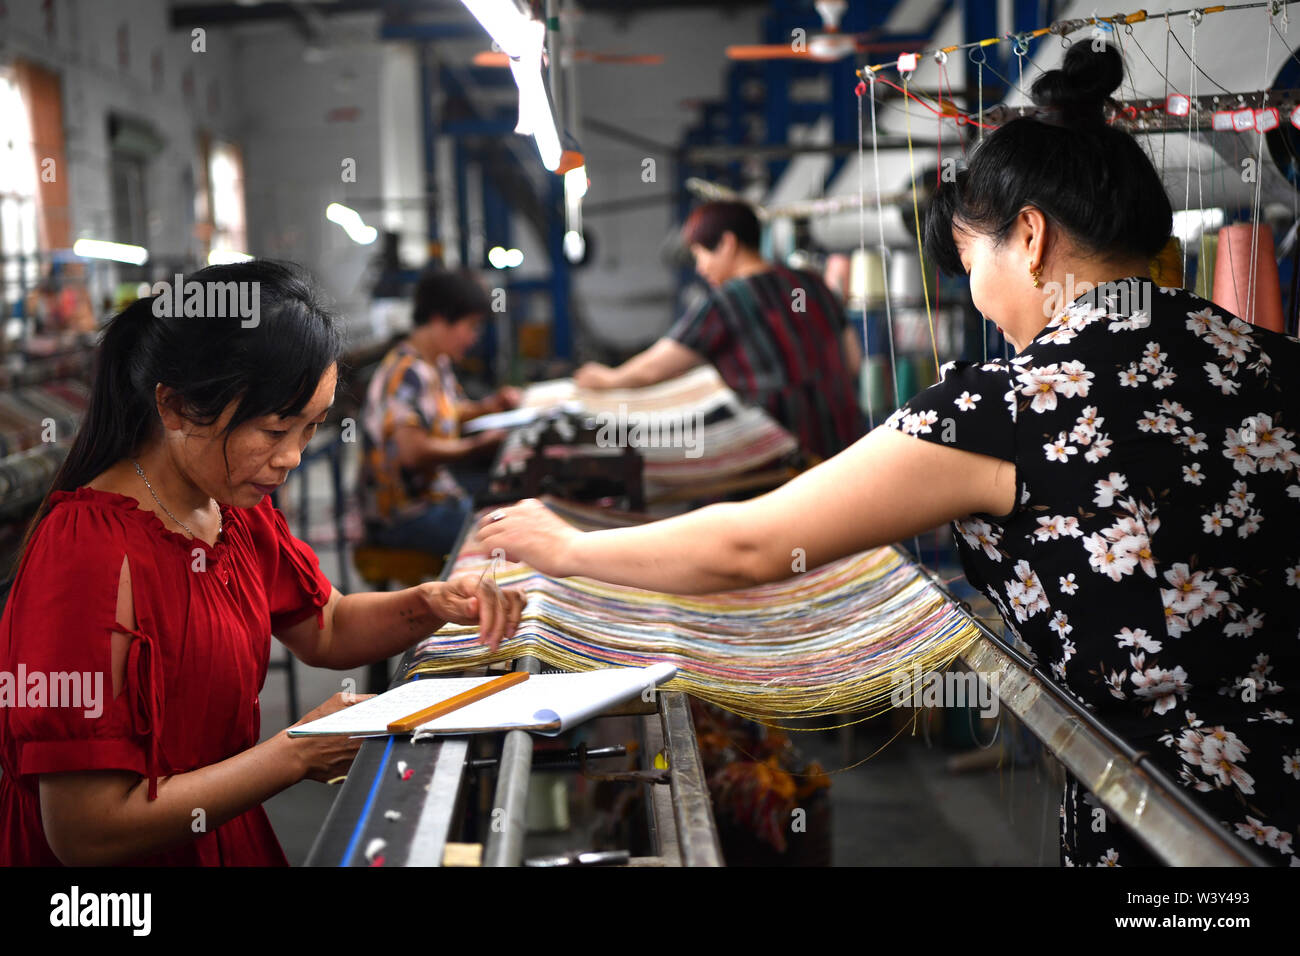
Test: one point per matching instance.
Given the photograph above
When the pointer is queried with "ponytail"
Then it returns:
(271, 367)
(117, 418)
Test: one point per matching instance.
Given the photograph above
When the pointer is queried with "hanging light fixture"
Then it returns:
(522, 39)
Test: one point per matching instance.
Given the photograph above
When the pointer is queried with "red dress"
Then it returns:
(195, 664)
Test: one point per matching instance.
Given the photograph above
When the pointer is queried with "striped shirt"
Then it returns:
(406, 390)
(776, 338)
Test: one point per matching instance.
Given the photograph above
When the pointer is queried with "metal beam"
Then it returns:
(225, 14)
(508, 821)
(697, 834)
(428, 144)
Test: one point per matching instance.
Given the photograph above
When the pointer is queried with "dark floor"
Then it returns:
(901, 807)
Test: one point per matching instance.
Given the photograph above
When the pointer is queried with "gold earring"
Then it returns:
(1037, 275)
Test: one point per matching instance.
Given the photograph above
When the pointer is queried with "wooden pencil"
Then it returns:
(407, 724)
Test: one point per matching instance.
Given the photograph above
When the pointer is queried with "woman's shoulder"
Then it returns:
(85, 532)
(90, 511)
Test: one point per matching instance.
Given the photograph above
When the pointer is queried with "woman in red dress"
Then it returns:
(136, 636)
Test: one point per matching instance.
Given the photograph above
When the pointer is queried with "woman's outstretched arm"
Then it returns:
(886, 487)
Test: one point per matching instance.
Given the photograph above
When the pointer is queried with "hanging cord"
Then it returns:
(1194, 18)
(862, 255)
(884, 263)
(916, 222)
(979, 93)
(1259, 182)
(1164, 119)
(1199, 15)
(1020, 48)
(1200, 189)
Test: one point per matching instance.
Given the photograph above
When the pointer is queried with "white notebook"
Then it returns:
(545, 703)
(513, 418)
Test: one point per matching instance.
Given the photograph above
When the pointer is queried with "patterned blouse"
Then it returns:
(1151, 564)
(406, 390)
(776, 338)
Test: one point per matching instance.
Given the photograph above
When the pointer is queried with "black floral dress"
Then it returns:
(1152, 563)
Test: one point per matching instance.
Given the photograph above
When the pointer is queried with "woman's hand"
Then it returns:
(329, 755)
(507, 397)
(488, 439)
(529, 532)
(475, 598)
(594, 375)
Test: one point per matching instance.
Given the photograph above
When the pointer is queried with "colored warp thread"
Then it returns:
(831, 640)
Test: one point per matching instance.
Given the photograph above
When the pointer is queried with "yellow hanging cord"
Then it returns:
(916, 217)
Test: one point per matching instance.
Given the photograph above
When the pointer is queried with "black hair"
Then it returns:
(449, 295)
(272, 366)
(708, 222)
(1089, 179)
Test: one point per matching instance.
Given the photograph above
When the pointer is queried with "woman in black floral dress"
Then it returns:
(1126, 489)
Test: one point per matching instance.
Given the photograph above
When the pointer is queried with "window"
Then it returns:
(226, 176)
(19, 263)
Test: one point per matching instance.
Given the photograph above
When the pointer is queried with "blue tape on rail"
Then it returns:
(370, 802)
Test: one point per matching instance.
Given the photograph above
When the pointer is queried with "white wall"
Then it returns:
(306, 113)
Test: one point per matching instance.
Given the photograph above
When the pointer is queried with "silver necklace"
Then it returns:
(140, 471)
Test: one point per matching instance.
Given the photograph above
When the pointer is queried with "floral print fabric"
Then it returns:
(1151, 565)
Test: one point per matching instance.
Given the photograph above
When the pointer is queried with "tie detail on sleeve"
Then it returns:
(143, 690)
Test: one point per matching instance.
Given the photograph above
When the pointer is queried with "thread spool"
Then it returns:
(905, 283)
(1205, 265)
(1233, 282)
(1167, 266)
(908, 382)
(926, 373)
(837, 274)
(867, 278)
(873, 384)
(877, 332)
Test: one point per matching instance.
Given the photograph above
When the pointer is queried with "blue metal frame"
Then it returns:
(729, 122)
(497, 214)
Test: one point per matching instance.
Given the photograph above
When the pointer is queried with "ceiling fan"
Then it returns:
(499, 59)
(825, 47)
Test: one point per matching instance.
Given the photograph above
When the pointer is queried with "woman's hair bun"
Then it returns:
(1080, 88)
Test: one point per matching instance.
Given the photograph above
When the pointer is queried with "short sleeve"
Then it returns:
(702, 330)
(402, 400)
(972, 408)
(296, 587)
(60, 711)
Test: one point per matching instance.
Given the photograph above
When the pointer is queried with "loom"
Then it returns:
(746, 448)
(411, 796)
(1151, 804)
